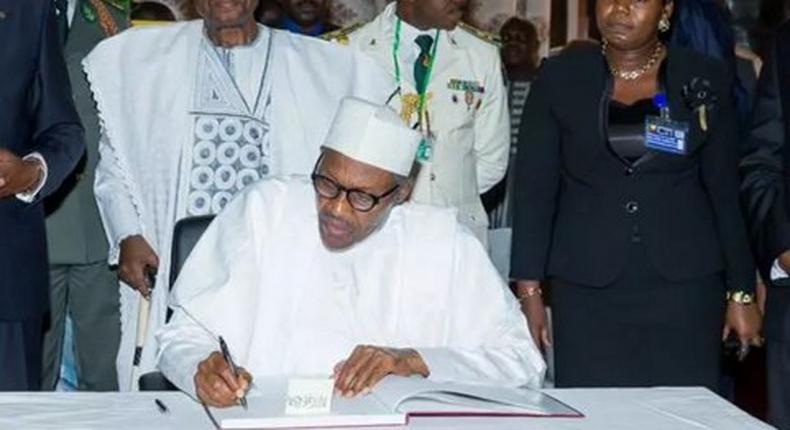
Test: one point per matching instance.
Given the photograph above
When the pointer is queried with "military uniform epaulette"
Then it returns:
(341, 36)
(480, 34)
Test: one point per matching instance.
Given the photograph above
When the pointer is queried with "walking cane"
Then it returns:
(142, 326)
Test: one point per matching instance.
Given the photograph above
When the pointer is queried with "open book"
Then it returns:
(392, 402)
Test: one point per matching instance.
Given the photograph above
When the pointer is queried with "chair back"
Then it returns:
(186, 235)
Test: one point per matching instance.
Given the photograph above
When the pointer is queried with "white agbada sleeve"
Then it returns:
(119, 214)
(218, 288)
(487, 319)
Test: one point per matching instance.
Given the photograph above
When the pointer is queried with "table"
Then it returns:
(605, 409)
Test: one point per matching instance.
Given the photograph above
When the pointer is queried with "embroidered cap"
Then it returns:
(374, 135)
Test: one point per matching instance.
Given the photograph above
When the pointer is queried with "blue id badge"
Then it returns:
(665, 135)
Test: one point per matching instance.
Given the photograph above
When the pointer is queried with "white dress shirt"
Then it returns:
(777, 272)
(71, 11)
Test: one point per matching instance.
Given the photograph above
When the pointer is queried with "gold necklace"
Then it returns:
(632, 75)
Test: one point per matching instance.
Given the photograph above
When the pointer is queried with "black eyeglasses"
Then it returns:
(360, 200)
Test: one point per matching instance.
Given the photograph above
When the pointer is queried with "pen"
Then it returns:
(226, 355)
(211, 416)
(161, 406)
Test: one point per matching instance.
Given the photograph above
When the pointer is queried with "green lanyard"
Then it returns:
(396, 60)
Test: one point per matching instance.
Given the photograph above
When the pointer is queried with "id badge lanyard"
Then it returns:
(423, 122)
(662, 134)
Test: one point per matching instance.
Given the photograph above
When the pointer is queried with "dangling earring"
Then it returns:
(664, 24)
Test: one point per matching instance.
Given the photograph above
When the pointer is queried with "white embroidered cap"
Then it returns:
(374, 135)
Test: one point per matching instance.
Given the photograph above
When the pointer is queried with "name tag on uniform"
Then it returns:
(666, 135)
(309, 396)
(466, 86)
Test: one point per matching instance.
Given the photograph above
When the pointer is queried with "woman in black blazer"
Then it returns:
(627, 200)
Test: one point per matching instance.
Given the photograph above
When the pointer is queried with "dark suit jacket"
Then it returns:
(579, 208)
(767, 178)
(36, 115)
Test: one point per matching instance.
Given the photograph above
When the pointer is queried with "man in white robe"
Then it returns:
(341, 277)
(191, 113)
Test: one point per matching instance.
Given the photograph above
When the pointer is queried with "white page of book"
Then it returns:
(266, 410)
(401, 395)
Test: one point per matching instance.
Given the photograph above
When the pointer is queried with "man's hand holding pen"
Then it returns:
(216, 384)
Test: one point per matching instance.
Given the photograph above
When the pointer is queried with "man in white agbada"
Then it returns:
(340, 276)
(193, 112)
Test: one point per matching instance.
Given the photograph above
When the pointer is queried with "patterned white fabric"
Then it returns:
(231, 130)
(144, 83)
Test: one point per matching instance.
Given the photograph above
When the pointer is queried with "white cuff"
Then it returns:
(777, 272)
(29, 196)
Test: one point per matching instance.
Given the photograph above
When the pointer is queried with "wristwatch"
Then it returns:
(530, 292)
(740, 297)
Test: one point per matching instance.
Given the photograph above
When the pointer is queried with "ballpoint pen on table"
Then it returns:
(161, 406)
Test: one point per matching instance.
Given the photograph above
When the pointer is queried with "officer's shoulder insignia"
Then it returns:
(341, 36)
(480, 34)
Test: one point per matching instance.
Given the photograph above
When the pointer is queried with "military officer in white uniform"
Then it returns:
(464, 114)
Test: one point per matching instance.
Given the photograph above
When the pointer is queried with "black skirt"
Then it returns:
(640, 331)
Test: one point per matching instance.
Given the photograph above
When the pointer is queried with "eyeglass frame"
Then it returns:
(341, 189)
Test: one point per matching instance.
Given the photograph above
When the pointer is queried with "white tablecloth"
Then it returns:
(605, 409)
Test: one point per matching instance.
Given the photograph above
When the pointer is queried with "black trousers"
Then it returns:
(20, 355)
(778, 368)
(642, 330)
